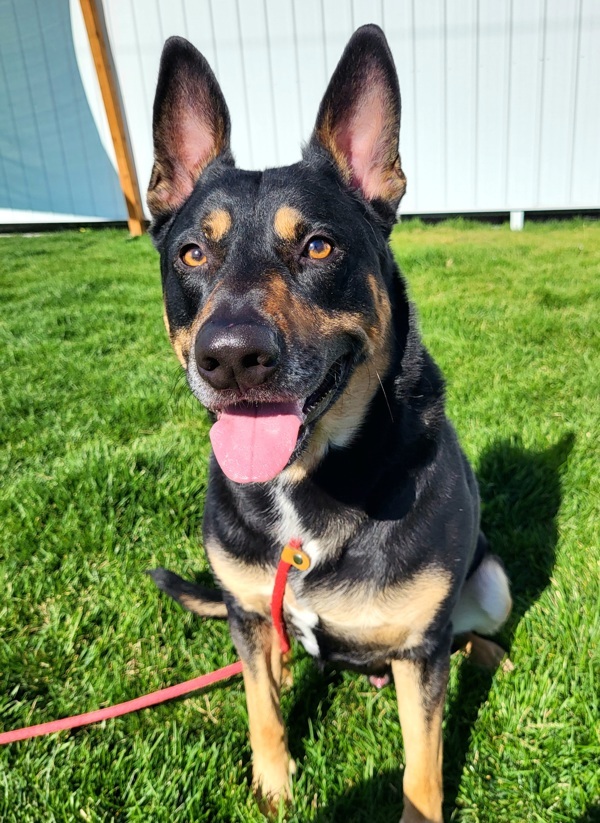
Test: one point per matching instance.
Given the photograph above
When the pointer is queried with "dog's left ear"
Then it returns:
(190, 125)
(359, 120)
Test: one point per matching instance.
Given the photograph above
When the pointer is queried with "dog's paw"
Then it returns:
(411, 815)
(269, 804)
(428, 809)
(487, 654)
(272, 786)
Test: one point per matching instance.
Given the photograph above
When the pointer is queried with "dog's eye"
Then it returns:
(192, 256)
(318, 248)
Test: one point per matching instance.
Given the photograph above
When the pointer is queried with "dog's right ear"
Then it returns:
(190, 125)
(358, 123)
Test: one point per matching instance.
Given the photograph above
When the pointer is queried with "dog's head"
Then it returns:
(274, 282)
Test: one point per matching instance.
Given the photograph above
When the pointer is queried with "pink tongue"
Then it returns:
(253, 444)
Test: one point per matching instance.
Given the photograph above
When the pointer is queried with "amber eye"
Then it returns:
(318, 248)
(193, 256)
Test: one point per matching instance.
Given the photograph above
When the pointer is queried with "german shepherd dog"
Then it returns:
(287, 311)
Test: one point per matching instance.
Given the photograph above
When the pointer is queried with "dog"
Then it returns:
(287, 311)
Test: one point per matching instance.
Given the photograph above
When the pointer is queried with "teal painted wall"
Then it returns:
(51, 155)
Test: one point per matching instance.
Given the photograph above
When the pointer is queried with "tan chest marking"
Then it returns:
(398, 616)
(251, 585)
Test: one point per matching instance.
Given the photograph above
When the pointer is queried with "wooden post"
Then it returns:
(95, 24)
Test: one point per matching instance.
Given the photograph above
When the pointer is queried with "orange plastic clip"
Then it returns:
(295, 557)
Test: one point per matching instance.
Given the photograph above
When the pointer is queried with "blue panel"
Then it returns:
(51, 157)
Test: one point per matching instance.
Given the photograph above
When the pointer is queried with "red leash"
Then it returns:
(122, 708)
(291, 555)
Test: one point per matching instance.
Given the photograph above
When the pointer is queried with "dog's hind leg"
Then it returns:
(198, 599)
(485, 600)
(483, 607)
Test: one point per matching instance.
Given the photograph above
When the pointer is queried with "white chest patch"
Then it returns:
(287, 525)
(304, 621)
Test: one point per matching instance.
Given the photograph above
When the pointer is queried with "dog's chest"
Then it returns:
(362, 613)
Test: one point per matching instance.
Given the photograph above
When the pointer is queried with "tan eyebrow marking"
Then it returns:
(287, 222)
(216, 224)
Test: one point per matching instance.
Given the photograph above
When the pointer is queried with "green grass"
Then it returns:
(103, 467)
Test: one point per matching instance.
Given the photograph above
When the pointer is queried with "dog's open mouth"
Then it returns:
(328, 391)
(254, 442)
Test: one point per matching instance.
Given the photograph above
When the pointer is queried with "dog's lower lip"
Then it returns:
(335, 377)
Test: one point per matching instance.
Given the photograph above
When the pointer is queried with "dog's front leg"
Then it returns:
(421, 691)
(258, 646)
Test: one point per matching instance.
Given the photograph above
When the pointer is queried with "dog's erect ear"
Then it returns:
(190, 125)
(359, 119)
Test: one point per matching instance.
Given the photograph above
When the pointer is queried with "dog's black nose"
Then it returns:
(232, 355)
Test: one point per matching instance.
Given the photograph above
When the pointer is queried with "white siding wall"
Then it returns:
(501, 101)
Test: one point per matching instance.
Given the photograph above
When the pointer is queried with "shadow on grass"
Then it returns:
(521, 496)
(312, 699)
(591, 816)
(378, 800)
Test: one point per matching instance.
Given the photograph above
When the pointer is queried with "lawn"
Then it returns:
(103, 466)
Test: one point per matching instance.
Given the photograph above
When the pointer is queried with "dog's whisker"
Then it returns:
(387, 402)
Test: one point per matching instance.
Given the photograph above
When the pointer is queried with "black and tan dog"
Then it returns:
(286, 309)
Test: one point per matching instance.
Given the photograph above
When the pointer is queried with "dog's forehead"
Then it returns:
(283, 203)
